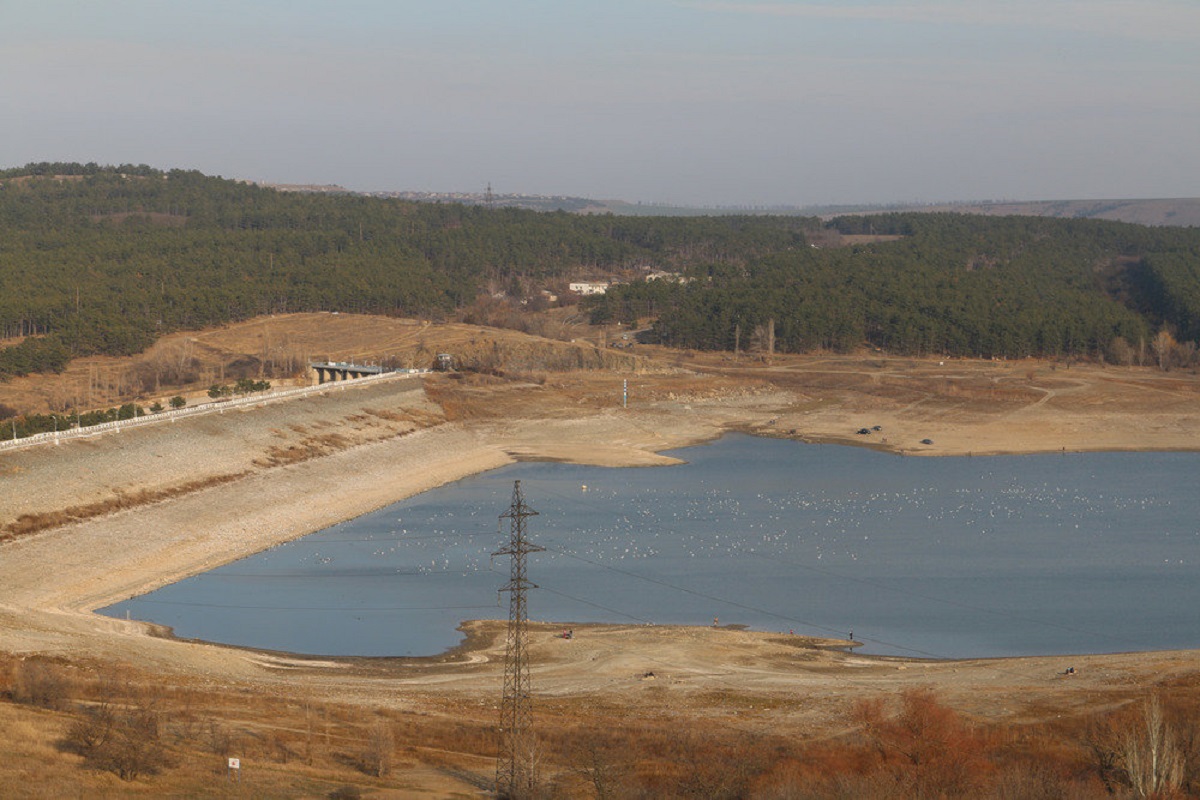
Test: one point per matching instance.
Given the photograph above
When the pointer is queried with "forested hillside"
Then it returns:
(104, 260)
(950, 284)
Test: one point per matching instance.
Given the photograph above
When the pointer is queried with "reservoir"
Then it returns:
(933, 557)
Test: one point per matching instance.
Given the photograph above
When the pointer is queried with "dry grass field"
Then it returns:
(280, 347)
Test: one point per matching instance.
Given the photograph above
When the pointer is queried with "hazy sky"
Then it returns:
(718, 102)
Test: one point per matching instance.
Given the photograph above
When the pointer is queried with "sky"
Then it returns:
(691, 102)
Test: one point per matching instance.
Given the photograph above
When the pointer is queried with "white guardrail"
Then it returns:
(215, 407)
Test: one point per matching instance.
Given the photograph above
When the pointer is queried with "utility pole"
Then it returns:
(515, 776)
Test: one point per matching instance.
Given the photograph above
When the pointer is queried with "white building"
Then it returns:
(588, 287)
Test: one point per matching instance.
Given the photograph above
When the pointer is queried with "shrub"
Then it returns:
(381, 744)
(120, 732)
(37, 683)
(926, 747)
(246, 386)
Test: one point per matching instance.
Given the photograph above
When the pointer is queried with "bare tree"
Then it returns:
(1120, 352)
(1150, 755)
(1103, 739)
(38, 683)
(121, 732)
(381, 745)
(763, 339)
(1185, 354)
(1164, 346)
(601, 768)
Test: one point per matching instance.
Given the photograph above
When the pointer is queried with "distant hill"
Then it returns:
(1181, 212)
(623, 208)
(1177, 212)
(529, 202)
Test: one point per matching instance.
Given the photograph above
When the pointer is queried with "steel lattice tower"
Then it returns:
(515, 776)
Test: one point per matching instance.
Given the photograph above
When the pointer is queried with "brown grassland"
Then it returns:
(98, 707)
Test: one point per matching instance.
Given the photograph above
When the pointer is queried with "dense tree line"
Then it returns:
(100, 259)
(1170, 286)
(105, 260)
(36, 354)
(954, 284)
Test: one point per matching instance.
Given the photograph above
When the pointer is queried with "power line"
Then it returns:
(934, 598)
(844, 679)
(515, 769)
(310, 608)
(1124, 640)
(342, 573)
(597, 605)
(694, 592)
(736, 604)
(390, 538)
(774, 557)
(746, 551)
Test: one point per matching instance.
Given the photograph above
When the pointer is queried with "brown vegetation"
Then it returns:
(121, 501)
(279, 348)
(176, 740)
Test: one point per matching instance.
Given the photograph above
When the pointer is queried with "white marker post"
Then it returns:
(625, 393)
(235, 769)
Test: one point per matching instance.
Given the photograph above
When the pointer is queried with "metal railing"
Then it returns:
(215, 407)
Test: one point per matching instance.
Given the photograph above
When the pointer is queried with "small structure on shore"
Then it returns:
(333, 371)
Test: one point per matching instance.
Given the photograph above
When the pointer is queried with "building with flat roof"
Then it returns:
(589, 287)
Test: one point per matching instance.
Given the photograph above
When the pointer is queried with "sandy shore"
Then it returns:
(268, 475)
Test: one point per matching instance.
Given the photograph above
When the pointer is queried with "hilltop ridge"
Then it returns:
(1180, 211)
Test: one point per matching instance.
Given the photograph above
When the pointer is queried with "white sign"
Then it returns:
(235, 763)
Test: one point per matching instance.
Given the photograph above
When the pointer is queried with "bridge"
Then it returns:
(334, 371)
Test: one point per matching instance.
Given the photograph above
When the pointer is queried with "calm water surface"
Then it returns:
(950, 557)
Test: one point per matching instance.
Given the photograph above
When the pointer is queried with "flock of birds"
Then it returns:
(645, 524)
(633, 541)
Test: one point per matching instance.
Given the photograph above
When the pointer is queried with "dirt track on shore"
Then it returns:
(258, 477)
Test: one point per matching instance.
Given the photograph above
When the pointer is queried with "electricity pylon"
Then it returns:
(515, 776)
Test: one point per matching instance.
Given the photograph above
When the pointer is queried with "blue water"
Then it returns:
(947, 557)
